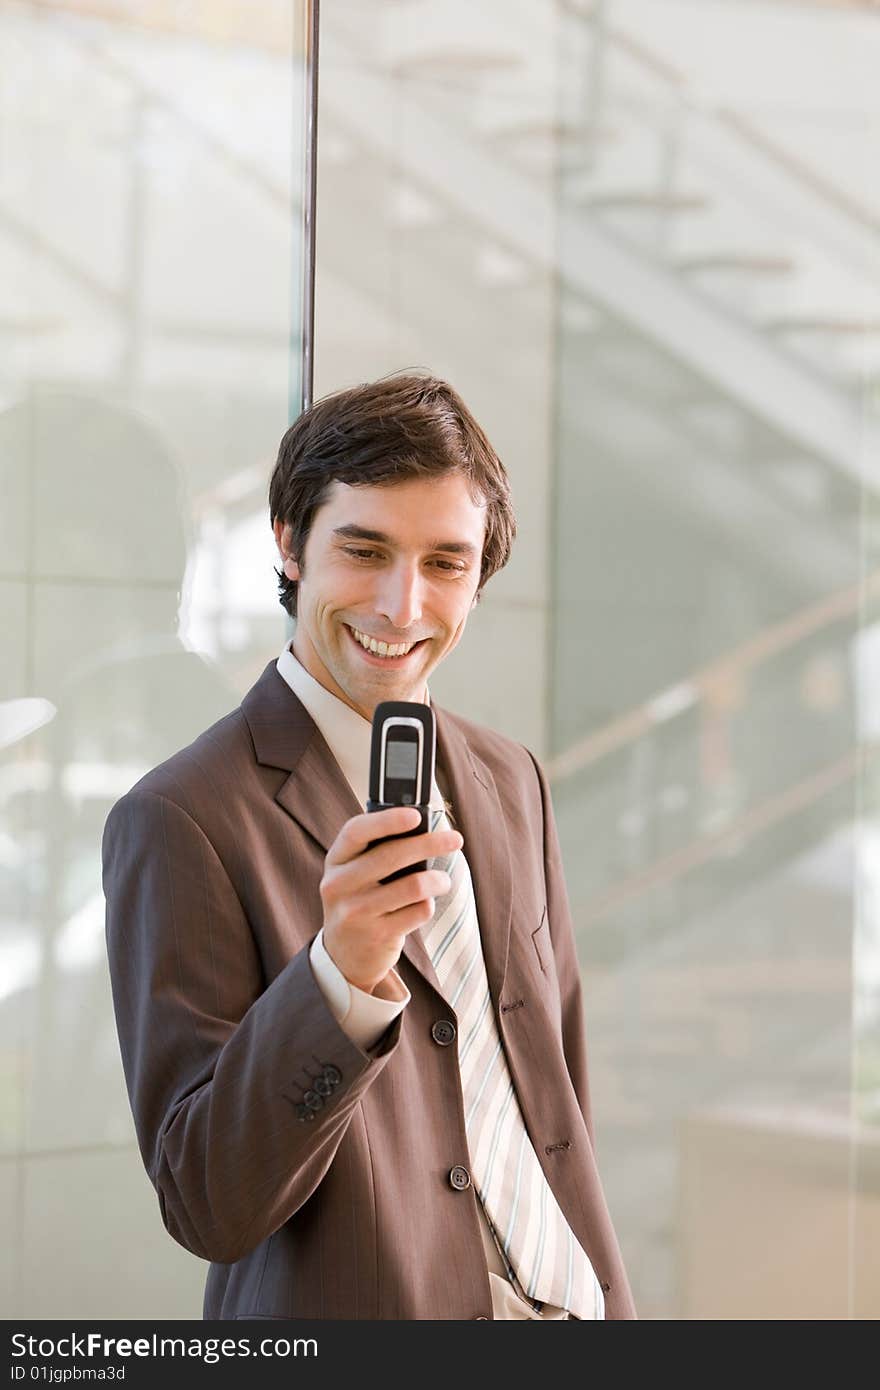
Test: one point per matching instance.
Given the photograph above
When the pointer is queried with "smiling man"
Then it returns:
(356, 1098)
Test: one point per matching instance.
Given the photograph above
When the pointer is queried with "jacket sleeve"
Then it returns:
(565, 956)
(240, 1092)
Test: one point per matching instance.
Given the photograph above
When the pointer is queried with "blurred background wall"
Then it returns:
(642, 238)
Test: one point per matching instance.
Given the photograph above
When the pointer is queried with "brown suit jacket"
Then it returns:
(212, 865)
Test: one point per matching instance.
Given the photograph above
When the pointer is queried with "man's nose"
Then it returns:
(400, 596)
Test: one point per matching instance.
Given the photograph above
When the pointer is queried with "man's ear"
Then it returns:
(283, 535)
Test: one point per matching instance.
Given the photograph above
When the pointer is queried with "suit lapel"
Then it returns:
(316, 794)
(319, 798)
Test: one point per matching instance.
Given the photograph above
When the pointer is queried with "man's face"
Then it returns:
(399, 564)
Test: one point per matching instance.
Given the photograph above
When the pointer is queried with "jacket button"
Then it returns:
(459, 1178)
(481, 1317)
(443, 1031)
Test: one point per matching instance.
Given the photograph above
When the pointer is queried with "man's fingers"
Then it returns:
(411, 888)
(357, 833)
(366, 896)
(384, 902)
(396, 851)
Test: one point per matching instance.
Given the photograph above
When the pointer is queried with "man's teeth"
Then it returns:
(382, 648)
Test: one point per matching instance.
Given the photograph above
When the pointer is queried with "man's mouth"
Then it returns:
(383, 653)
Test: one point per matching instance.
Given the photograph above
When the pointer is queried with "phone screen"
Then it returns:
(402, 760)
(400, 773)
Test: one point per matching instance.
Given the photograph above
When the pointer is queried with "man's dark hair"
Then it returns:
(384, 432)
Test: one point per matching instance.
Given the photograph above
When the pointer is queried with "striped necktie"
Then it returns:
(544, 1261)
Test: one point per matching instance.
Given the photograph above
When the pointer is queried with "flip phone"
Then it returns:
(402, 757)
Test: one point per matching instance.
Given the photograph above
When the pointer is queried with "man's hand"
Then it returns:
(365, 921)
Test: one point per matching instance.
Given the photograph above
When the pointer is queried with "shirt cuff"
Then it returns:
(364, 1017)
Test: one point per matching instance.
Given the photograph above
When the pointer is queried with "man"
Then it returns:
(362, 1099)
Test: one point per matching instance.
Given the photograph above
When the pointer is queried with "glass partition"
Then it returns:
(641, 237)
(711, 694)
(150, 236)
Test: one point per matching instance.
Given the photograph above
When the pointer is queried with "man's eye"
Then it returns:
(360, 553)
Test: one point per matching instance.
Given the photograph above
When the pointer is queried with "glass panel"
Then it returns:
(865, 1210)
(640, 236)
(151, 246)
(437, 144)
(711, 700)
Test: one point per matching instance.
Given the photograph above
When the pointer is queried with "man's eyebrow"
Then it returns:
(363, 533)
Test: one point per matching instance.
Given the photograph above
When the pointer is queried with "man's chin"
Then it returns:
(366, 688)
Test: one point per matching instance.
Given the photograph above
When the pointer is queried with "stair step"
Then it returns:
(553, 130)
(737, 261)
(645, 202)
(823, 324)
(450, 62)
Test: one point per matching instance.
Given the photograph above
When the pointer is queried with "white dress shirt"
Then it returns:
(365, 1017)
